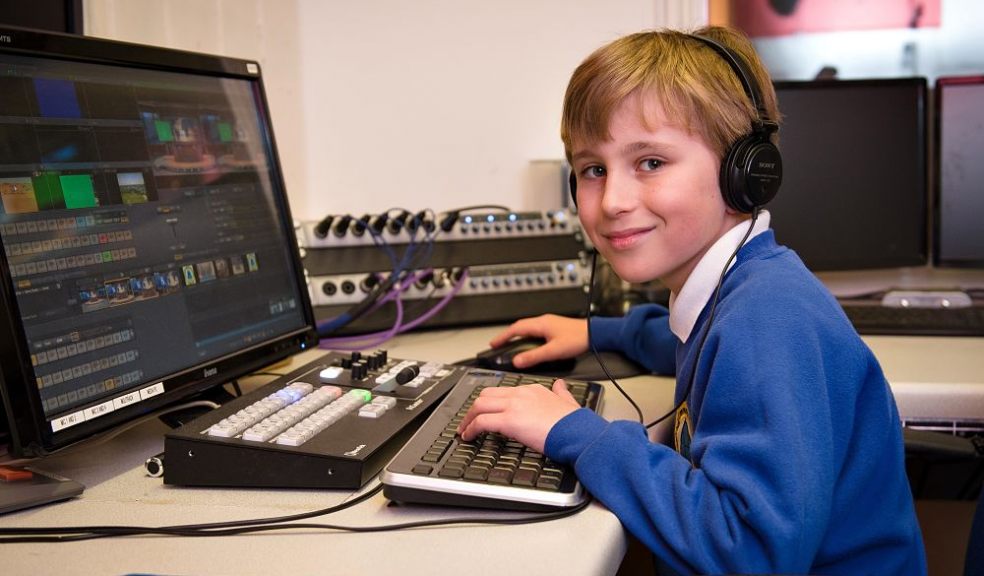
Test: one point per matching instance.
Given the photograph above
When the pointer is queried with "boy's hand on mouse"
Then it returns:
(565, 338)
(524, 413)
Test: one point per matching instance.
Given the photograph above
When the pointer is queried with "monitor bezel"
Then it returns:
(920, 84)
(939, 86)
(29, 430)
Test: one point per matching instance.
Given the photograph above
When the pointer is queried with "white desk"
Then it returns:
(934, 378)
(118, 493)
(590, 543)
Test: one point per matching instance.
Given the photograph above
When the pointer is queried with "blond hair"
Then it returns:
(696, 88)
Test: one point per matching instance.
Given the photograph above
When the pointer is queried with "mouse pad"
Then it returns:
(586, 367)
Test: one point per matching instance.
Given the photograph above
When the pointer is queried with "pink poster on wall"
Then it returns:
(785, 17)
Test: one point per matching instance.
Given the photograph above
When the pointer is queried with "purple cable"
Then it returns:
(361, 341)
(392, 293)
(345, 342)
(437, 307)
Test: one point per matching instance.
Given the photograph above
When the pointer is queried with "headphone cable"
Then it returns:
(594, 350)
(710, 319)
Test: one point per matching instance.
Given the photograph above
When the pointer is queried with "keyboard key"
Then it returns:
(499, 475)
(525, 477)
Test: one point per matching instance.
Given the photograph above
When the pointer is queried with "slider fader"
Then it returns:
(333, 423)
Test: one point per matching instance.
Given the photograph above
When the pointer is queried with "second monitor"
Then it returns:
(855, 182)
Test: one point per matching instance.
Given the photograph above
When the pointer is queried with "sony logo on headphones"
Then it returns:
(6, 39)
(767, 165)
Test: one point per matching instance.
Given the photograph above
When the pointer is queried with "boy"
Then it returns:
(788, 448)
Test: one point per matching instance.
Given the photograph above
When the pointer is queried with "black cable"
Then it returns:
(707, 325)
(483, 207)
(408, 261)
(130, 530)
(700, 349)
(594, 350)
(361, 308)
(52, 535)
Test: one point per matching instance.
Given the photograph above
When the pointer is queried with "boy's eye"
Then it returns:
(594, 172)
(651, 164)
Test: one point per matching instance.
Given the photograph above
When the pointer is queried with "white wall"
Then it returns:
(394, 103)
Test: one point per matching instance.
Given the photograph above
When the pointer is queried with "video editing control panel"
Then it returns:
(333, 423)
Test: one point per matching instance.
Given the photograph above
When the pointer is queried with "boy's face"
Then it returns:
(649, 198)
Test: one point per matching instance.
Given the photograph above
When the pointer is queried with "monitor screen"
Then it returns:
(855, 184)
(148, 249)
(959, 200)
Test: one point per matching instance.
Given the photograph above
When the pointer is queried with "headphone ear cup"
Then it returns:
(751, 173)
(572, 184)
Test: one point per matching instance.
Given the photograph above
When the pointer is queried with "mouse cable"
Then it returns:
(710, 319)
(594, 350)
(66, 534)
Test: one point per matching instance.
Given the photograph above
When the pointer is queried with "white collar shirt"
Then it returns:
(697, 291)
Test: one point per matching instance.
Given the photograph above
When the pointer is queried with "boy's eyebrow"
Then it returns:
(631, 148)
(582, 155)
(640, 146)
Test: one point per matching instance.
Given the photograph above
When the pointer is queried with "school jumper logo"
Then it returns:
(681, 431)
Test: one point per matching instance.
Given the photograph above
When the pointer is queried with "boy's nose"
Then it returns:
(620, 195)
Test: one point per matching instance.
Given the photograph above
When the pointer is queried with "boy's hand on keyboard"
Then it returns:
(524, 413)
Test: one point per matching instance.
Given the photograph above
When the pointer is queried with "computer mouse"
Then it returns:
(501, 358)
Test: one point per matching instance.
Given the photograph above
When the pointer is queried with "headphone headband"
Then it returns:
(744, 75)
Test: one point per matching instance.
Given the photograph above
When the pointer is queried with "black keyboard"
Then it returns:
(437, 467)
(874, 318)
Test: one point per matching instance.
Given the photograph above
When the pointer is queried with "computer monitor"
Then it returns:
(855, 183)
(959, 190)
(148, 248)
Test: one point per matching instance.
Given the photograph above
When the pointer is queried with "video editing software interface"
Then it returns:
(855, 182)
(142, 225)
(960, 187)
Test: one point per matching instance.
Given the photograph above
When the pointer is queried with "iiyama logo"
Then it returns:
(355, 451)
(6, 39)
(210, 372)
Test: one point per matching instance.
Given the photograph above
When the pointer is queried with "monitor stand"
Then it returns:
(177, 418)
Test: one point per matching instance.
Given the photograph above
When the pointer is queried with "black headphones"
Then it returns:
(751, 171)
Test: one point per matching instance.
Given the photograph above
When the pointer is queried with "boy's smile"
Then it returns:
(649, 197)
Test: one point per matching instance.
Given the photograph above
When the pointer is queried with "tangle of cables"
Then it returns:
(409, 267)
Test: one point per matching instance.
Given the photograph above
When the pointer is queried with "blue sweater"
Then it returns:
(795, 462)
